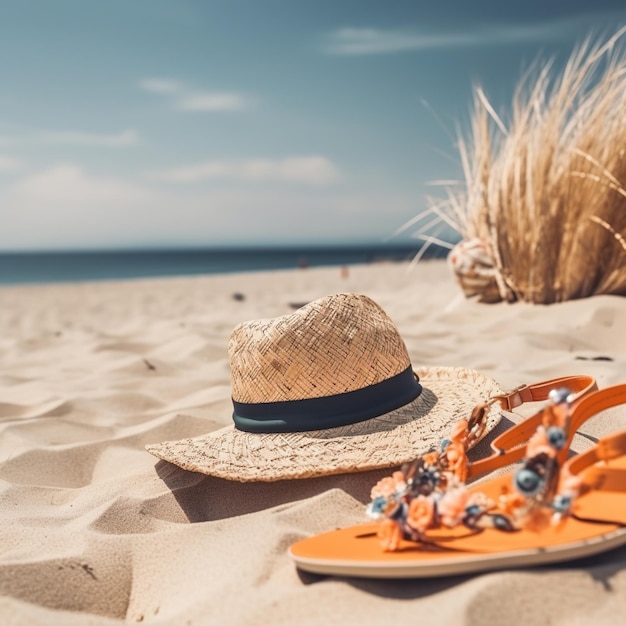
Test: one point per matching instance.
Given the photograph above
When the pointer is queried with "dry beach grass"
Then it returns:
(544, 189)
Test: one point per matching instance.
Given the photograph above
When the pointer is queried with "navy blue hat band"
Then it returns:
(330, 411)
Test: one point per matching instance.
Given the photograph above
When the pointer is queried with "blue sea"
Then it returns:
(47, 267)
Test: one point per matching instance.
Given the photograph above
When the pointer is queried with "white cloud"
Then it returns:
(69, 185)
(190, 100)
(316, 170)
(362, 41)
(67, 207)
(212, 101)
(64, 205)
(124, 138)
(356, 41)
(128, 137)
(160, 85)
(9, 165)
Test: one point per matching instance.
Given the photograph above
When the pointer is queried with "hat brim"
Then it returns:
(389, 440)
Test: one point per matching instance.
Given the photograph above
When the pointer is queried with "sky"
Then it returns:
(199, 123)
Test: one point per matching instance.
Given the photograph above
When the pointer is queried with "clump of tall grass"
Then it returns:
(545, 190)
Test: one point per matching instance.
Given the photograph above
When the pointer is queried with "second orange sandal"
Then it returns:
(429, 523)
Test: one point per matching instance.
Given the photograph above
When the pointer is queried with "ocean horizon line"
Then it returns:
(92, 265)
(384, 244)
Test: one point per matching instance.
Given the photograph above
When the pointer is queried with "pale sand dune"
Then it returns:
(93, 530)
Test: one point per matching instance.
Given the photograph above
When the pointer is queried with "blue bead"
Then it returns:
(376, 507)
(528, 482)
(502, 523)
(472, 510)
(400, 512)
(444, 444)
(560, 395)
(561, 503)
(556, 437)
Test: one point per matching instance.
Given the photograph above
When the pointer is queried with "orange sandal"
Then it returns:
(510, 446)
(431, 524)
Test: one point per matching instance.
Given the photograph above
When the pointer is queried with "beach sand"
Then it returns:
(94, 530)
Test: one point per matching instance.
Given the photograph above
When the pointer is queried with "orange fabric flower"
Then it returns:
(431, 458)
(555, 415)
(511, 501)
(389, 485)
(539, 444)
(451, 507)
(421, 513)
(383, 488)
(457, 460)
(390, 534)
(459, 432)
(538, 519)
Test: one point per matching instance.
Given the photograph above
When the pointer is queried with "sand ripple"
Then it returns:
(94, 530)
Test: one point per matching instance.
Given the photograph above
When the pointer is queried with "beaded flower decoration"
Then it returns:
(431, 493)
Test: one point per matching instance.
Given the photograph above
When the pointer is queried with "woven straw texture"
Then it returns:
(386, 441)
(336, 344)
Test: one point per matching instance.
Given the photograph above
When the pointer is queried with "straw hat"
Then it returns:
(328, 389)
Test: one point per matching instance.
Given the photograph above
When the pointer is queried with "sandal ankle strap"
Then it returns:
(579, 385)
(607, 448)
(510, 446)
